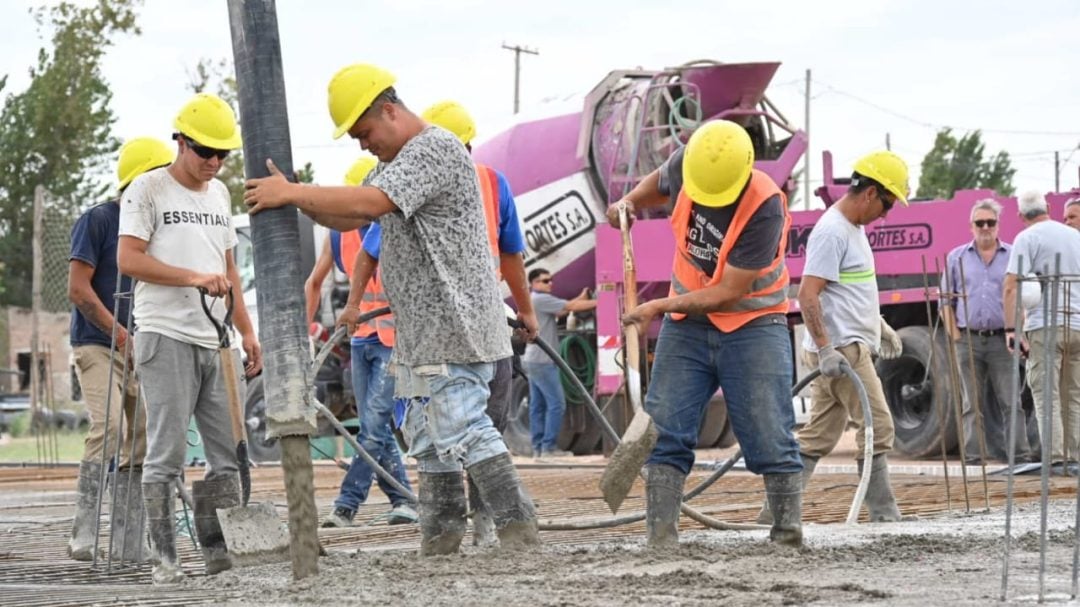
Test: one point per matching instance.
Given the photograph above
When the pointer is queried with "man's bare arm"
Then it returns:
(133, 260)
(810, 303)
(82, 296)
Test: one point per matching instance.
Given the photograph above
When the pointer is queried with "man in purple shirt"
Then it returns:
(977, 325)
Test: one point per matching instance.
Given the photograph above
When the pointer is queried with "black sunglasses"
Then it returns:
(886, 201)
(204, 152)
(544, 280)
(985, 223)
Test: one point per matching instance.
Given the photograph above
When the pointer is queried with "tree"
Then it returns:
(219, 78)
(57, 132)
(957, 164)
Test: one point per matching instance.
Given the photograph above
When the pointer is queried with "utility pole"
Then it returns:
(1057, 171)
(806, 159)
(888, 142)
(518, 49)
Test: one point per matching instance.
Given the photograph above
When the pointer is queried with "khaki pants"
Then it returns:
(92, 363)
(834, 400)
(1064, 388)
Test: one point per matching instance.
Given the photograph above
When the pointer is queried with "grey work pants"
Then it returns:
(179, 380)
(992, 360)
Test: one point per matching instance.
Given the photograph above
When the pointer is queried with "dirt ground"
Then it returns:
(947, 560)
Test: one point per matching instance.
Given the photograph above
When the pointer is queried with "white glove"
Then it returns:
(891, 346)
(830, 361)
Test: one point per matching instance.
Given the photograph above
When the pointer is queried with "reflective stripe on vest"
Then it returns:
(374, 296)
(489, 193)
(768, 291)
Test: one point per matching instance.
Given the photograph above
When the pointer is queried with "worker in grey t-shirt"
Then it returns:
(547, 402)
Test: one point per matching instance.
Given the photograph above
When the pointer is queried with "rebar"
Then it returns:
(975, 400)
(1010, 434)
(940, 410)
(955, 381)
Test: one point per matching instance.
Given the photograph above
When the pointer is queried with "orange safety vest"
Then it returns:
(768, 292)
(489, 193)
(374, 296)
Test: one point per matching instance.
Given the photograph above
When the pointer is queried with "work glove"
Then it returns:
(829, 361)
(891, 347)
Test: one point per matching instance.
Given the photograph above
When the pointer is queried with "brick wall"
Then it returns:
(54, 334)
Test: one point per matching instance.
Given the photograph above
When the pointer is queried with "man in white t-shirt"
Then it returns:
(176, 239)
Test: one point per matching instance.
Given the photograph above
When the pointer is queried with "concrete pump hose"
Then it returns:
(868, 443)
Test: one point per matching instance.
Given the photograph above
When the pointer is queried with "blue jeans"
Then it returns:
(445, 423)
(547, 402)
(753, 367)
(374, 390)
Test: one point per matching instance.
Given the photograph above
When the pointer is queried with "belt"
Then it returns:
(985, 332)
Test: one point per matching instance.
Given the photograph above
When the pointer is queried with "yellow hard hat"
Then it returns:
(452, 116)
(717, 163)
(351, 92)
(888, 169)
(209, 121)
(356, 173)
(139, 155)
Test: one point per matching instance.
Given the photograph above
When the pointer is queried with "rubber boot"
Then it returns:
(784, 493)
(442, 512)
(663, 500)
(84, 525)
(483, 524)
(159, 501)
(209, 496)
(880, 501)
(510, 505)
(129, 518)
(765, 516)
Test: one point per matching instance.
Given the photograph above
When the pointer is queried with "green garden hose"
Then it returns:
(579, 355)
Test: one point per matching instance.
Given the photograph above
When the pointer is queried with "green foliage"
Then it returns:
(57, 132)
(306, 174)
(958, 164)
(20, 424)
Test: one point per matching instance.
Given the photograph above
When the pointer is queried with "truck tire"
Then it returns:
(260, 448)
(712, 423)
(916, 411)
(518, 436)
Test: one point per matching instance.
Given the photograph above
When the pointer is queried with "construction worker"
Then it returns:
(838, 297)
(176, 238)
(438, 274)
(975, 319)
(372, 344)
(507, 245)
(724, 324)
(1072, 213)
(92, 283)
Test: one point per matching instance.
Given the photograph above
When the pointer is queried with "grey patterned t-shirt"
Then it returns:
(437, 269)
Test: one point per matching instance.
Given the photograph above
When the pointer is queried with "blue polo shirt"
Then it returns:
(93, 241)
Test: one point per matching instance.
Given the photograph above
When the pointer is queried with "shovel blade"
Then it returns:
(626, 462)
(254, 534)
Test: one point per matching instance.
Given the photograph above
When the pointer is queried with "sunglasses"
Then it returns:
(204, 152)
(985, 223)
(886, 201)
(546, 281)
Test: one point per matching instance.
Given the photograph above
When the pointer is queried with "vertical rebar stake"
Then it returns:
(1010, 432)
(926, 374)
(975, 400)
(955, 382)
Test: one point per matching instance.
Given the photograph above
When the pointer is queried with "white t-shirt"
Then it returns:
(839, 252)
(185, 229)
(1040, 245)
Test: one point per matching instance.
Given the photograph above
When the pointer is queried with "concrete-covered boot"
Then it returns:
(663, 500)
(784, 493)
(442, 512)
(765, 516)
(159, 502)
(880, 501)
(129, 518)
(510, 505)
(84, 526)
(483, 525)
(209, 496)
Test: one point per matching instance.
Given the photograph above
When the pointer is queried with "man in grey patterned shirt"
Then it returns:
(439, 276)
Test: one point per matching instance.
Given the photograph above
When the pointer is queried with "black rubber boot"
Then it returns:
(129, 518)
(84, 525)
(663, 500)
(442, 512)
(510, 505)
(208, 497)
(483, 525)
(158, 499)
(784, 493)
(880, 501)
(765, 516)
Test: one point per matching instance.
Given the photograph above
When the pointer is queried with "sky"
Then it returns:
(896, 69)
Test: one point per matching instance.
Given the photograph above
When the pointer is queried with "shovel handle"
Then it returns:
(236, 417)
(631, 339)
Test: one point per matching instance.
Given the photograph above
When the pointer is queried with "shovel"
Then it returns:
(254, 534)
(641, 435)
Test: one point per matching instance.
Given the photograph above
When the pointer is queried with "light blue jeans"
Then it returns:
(547, 402)
(446, 424)
(374, 390)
